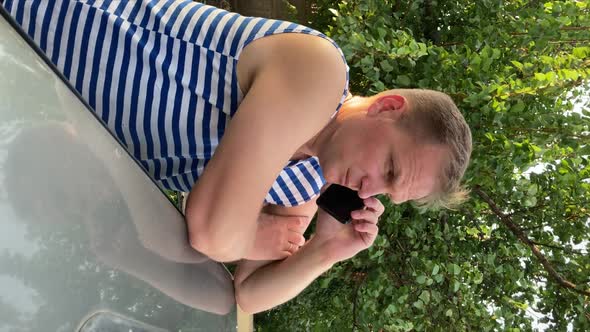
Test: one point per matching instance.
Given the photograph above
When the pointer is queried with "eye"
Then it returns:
(391, 172)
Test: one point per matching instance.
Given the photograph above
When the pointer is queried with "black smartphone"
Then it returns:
(339, 202)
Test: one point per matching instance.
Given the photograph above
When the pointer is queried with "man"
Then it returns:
(242, 112)
(390, 144)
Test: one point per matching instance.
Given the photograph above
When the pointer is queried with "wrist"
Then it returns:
(322, 251)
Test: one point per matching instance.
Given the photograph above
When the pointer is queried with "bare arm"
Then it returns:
(249, 274)
(280, 281)
(223, 206)
(262, 285)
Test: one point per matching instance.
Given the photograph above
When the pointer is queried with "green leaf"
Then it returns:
(334, 12)
(410, 232)
(421, 279)
(530, 201)
(518, 107)
(439, 278)
(403, 80)
(402, 299)
(449, 313)
(382, 32)
(517, 64)
(533, 189)
(386, 66)
(456, 286)
(419, 304)
(435, 269)
(425, 297)
(367, 61)
(540, 77)
(391, 309)
(581, 52)
(478, 279)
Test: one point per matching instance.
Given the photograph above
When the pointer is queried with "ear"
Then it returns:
(392, 106)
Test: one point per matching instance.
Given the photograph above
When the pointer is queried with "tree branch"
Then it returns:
(548, 130)
(405, 256)
(569, 251)
(507, 221)
(548, 245)
(528, 209)
(569, 41)
(356, 292)
(526, 229)
(574, 28)
(430, 23)
(562, 29)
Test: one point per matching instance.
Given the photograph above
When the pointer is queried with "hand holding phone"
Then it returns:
(339, 202)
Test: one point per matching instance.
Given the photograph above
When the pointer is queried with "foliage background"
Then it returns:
(515, 68)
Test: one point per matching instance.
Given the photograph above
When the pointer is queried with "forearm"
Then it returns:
(281, 281)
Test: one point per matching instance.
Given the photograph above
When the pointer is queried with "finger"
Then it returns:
(367, 228)
(284, 254)
(368, 215)
(292, 248)
(375, 204)
(296, 238)
(369, 239)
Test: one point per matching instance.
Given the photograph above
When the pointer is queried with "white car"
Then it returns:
(88, 242)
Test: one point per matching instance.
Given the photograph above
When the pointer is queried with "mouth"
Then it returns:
(345, 181)
(348, 182)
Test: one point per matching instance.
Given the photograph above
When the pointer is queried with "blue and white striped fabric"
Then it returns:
(162, 76)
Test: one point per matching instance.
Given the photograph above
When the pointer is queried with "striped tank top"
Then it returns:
(162, 76)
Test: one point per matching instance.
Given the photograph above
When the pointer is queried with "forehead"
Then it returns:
(420, 168)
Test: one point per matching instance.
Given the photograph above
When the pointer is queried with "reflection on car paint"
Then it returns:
(92, 231)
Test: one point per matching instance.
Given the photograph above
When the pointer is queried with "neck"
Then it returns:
(313, 147)
(352, 106)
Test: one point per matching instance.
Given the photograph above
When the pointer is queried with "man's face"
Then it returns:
(372, 155)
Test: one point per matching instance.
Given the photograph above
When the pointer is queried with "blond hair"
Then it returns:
(436, 119)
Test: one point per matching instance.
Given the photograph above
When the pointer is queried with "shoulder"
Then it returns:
(294, 46)
(304, 53)
(309, 68)
(309, 54)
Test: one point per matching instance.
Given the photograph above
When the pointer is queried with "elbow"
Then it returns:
(245, 302)
(219, 250)
(209, 237)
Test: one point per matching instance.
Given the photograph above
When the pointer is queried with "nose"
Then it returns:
(371, 186)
